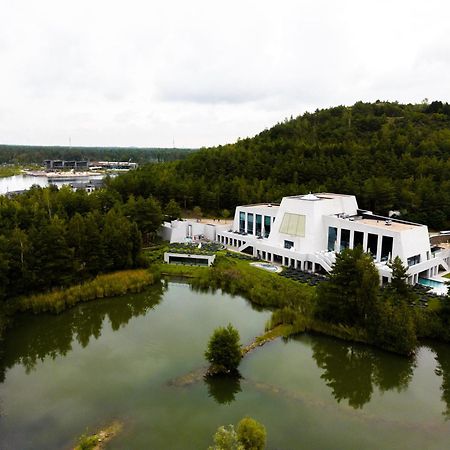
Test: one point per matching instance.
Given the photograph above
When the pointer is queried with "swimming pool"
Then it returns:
(267, 266)
(438, 286)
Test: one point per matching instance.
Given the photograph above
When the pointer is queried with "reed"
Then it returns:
(108, 285)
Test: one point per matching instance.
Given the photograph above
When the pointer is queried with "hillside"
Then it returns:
(391, 156)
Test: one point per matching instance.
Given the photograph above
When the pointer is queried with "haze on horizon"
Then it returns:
(140, 73)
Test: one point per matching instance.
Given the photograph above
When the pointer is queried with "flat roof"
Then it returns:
(394, 226)
(261, 205)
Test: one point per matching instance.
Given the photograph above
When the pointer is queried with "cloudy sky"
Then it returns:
(145, 73)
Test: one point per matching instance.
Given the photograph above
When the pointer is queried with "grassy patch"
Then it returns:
(179, 270)
(9, 171)
(447, 275)
(100, 439)
(109, 285)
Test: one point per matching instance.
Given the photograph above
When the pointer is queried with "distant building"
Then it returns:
(114, 165)
(59, 164)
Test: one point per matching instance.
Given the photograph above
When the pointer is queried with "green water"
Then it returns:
(117, 359)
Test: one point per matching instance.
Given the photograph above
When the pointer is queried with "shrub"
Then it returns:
(251, 434)
(224, 350)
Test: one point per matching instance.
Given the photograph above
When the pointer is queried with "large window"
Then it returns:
(293, 224)
(386, 248)
(345, 239)
(266, 226)
(258, 225)
(332, 237)
(242, 222)
(414, 260)
(250, 223)
(372, 243)
(358, 239)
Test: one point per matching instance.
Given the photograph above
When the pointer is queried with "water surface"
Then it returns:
(117, 359)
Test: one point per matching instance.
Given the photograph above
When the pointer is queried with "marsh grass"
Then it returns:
(109, 285)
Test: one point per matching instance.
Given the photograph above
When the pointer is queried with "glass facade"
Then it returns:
(372, 243)
(332, 238)
(266, 226)
(358, 239)
(258, 228)
(386, 248)
(345, 239)
(242, 222)
(249, 223)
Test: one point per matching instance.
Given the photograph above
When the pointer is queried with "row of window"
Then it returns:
(358, 239)
(254, 224)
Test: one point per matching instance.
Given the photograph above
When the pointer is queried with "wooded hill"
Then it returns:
(391, 156)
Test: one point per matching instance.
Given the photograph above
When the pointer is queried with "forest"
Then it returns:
(52, 238)
(27, 154)
(391, 156)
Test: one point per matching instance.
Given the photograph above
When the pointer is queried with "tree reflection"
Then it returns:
(51, 336)
(223, 388)
(352, 370)
(442, 352)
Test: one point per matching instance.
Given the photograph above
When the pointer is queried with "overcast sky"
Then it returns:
(145, 73)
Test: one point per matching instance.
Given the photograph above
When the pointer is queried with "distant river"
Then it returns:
(22, 182)
(117, 358)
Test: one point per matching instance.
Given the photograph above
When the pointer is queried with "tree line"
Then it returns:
(31, 154)
(391, 156)
(53, 238)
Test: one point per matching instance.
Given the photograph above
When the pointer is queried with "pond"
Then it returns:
(118, 359)
(24, 182)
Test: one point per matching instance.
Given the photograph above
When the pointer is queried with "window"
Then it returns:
(345, 239)
(258, 225)
(288, 244)
(372, 243)
(266, 226)
(250, 223)
(358, 239)
(414, 260)
(242, 222)
(293, 224)
(332, 238)
(386, 248)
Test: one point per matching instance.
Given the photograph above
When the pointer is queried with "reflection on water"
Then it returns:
(352, 370)
(442, 352)
(223, 388)
(38, 340)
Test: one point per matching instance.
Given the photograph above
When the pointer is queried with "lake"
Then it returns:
(23, 182)
(118, 359)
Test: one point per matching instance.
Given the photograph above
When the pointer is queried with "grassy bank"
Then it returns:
(9, 171)
(109, 285)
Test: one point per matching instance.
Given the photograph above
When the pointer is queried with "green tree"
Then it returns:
(197, 211)
(351, 294)
(172, 210)
(398, 285)
(225, 438)
(251, 434)
(224, 350)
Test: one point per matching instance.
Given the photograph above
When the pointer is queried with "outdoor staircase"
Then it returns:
(325, 259)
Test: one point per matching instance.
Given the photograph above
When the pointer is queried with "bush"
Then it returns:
(251, 434)
(224, 350)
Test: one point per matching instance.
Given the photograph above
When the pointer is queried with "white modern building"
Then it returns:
(187, 230)
(306, 232)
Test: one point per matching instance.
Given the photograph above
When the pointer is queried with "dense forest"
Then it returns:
(53, 238)
(391, 156)
(24, 154)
